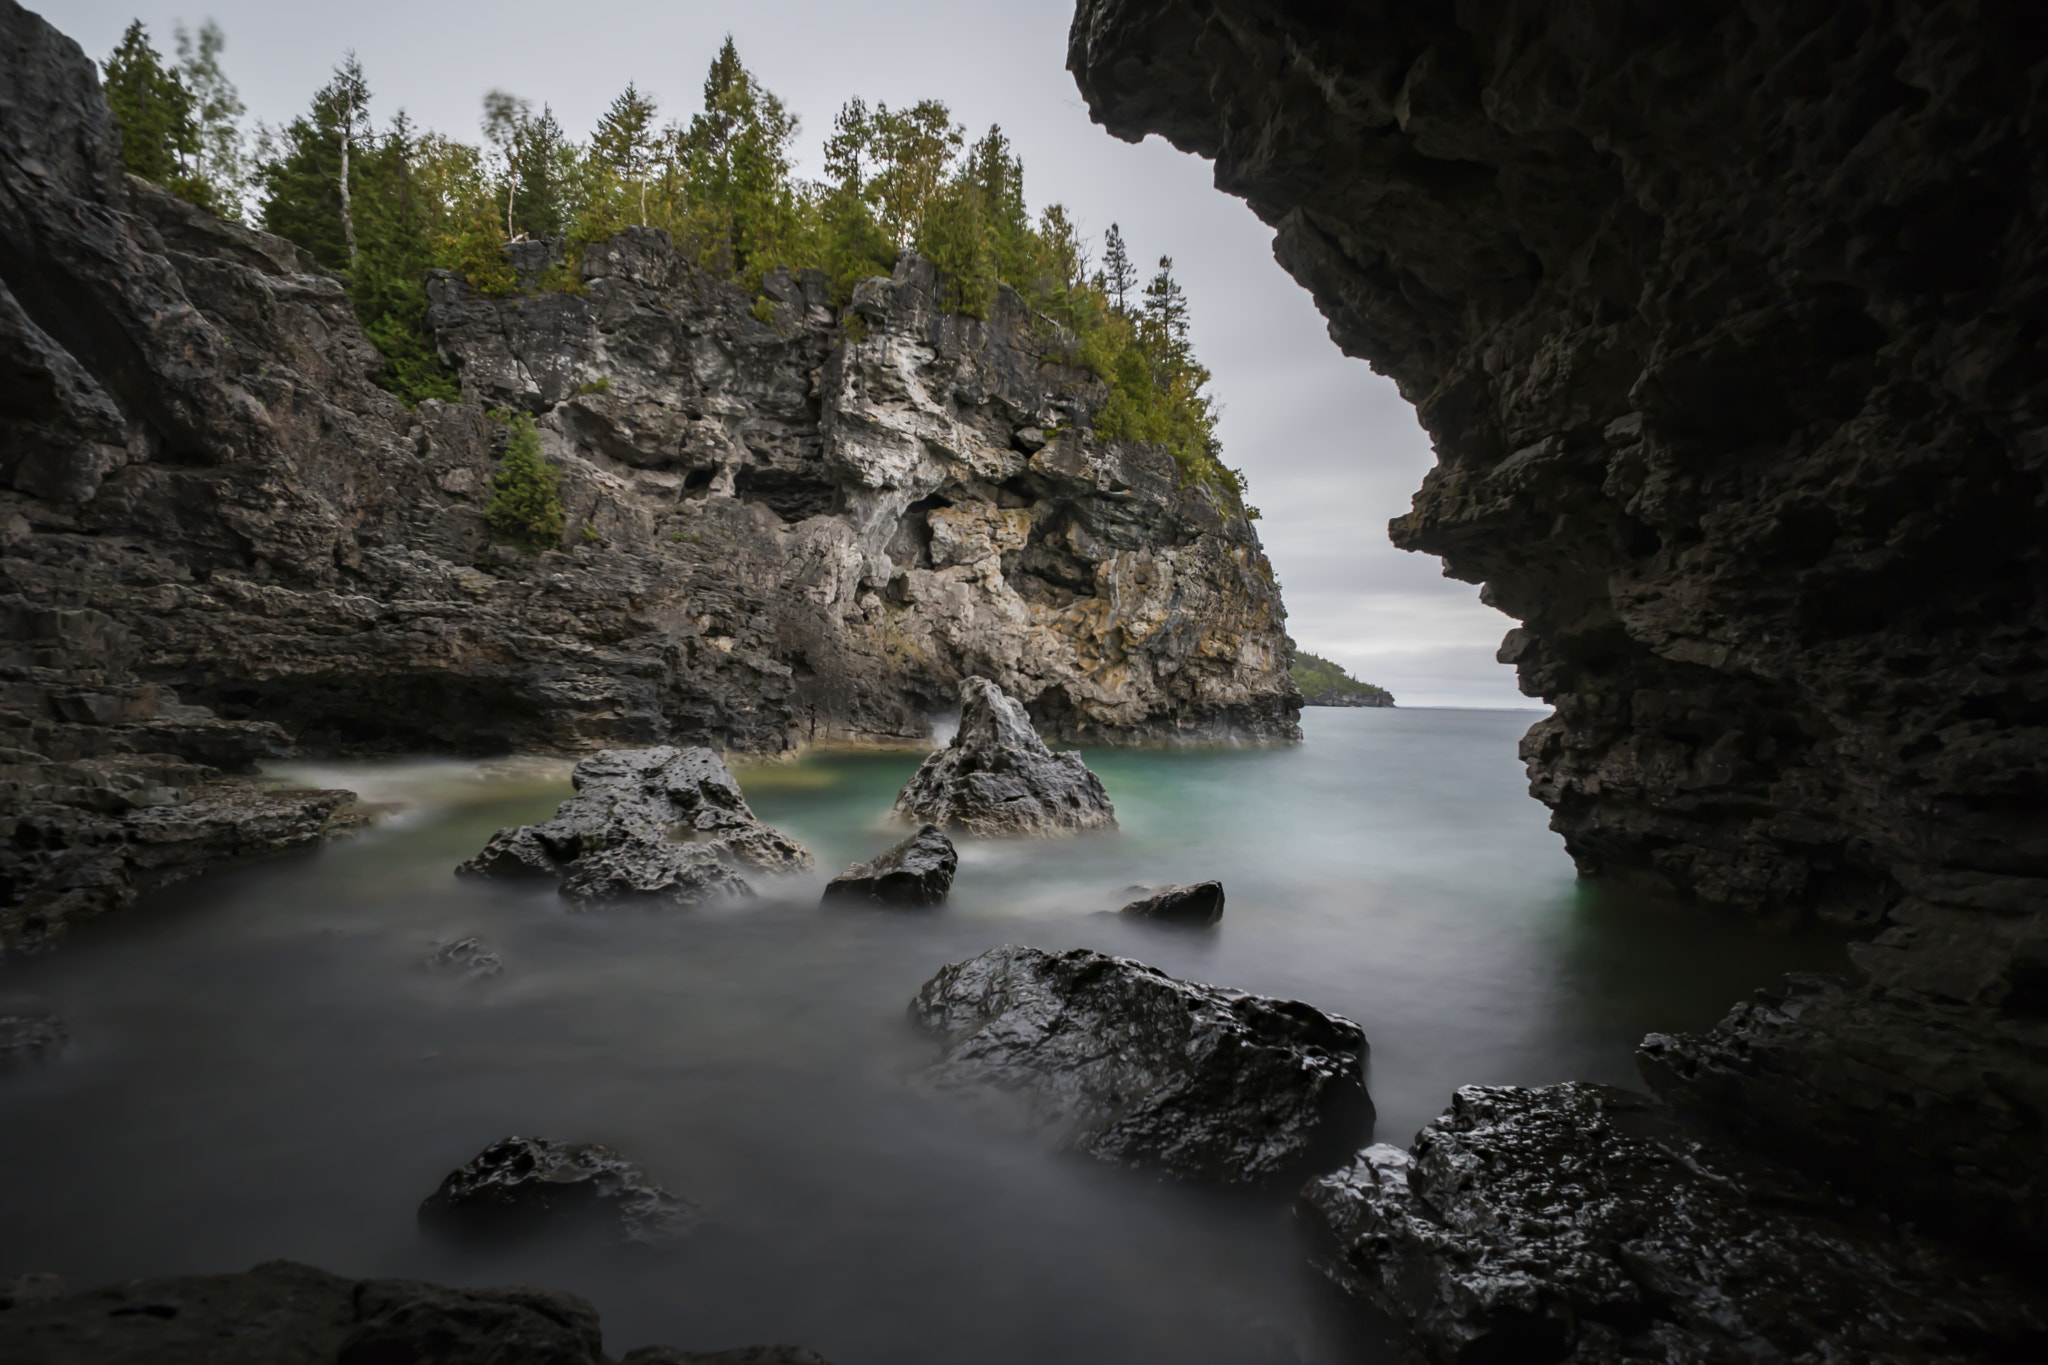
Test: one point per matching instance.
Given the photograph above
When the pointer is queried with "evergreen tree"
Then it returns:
(544, 167)
(625, 141)
(1166, 317)
(1118, 275)
(299, 177)
(154, 111)
(527, 507)
(738, 163)
(388, 284)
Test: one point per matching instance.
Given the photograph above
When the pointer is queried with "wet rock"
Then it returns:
(918, 871)
(29, 1033)
(1125, 1063)
(284, 1312)
(663, 822)
(472, 957)
(1936, 1109)
(1583, 1223)
(1200, 904)
(519, 1184)
(996, 777)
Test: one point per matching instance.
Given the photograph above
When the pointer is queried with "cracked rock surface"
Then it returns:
(1583, 1223)
(996, 777)
(664, 822)
(1123, 1062)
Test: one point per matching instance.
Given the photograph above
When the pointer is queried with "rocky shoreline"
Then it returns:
(785, 525)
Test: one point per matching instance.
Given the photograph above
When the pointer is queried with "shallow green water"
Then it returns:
(261, 1067)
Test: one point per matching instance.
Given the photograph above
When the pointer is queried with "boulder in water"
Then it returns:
(918, 871)
(1585, 1224)
(30, 1032)
(471, 956)
(663, 822)
(1123, 1062)
(519, 1183)
(1199, 905)
(996, 776)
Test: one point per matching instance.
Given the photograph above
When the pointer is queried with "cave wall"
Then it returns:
(1727, 323)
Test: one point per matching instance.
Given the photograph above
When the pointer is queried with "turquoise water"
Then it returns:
(261, 1067)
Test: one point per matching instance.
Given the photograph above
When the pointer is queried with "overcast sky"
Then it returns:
(1329, 450)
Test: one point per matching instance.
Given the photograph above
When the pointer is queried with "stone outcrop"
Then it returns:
(917, 871)
(996, 777)
(1123, 1062)
(1921, 1102)
(665, 822)
(1723, 319)
(1199, 904)
(219, 538)
(1725, 322)
(1584, 1224)
(521, 1184)
(281, 1311)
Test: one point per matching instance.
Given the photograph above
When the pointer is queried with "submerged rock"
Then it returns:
(518, 1183)
(1200, 904)
(282, 1311)
(997, 777)
(471, 956)
(664, 822)
(1123, 1062)
(30, 1033)
(1584, 1223)
(918, 871)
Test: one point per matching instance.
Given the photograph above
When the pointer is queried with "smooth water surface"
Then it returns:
(262, 1067)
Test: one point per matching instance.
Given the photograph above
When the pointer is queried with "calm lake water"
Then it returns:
(261, 1067)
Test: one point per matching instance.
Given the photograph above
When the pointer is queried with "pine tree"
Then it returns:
(738, 157)
(625, 140)
(1118, 275)
(154, 111)
(1166, 317)
(527, 507)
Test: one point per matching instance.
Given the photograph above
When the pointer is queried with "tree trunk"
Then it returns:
(348, 221)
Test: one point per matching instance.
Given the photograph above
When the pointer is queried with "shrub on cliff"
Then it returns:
(527, 507)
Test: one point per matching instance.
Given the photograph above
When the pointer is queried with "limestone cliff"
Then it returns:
(1727, 322)
(219, 538)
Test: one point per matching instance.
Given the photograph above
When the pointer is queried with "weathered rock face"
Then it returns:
(918, 871)
(219, 538)
(996, 777)
(1123, 1062)
(842, 513)
(286, 1312)
(1725, 321)
(1923, 1103)
(1583, 1223)
(663, 822)
(1200, 905)
(522, 1184)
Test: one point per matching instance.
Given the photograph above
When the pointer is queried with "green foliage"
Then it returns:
(1315, 675)
(603, 385)
(721, 184)
(160, 119)
(527, 508)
